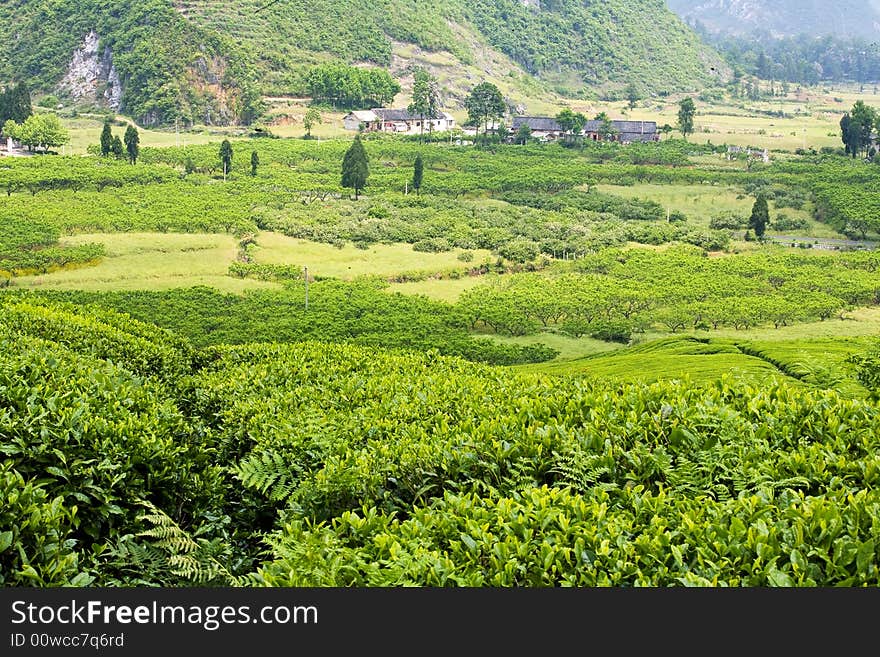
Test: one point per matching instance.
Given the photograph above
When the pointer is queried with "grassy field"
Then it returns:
(150, 261)
(811, 117)
(442, 289)
(569, 348)
(325, 260)
(701, 202)
(85, 131)
(157, 261)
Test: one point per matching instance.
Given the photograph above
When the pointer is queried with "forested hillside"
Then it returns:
(207, 61)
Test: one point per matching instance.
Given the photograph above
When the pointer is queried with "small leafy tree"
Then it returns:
(10, 129)
(632, 95)
(418, 173)
(856, 128)
(606, 128)
(312, 117)
(355, 167)
(106, 139)
(523, 135)
(41, 130)
(760, 216)
(226, 157)
(686, 112)
(255, 162)
(132, 143)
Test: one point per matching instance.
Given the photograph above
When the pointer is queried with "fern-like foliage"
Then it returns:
(174, 550)
(270, 473)
(584, 472)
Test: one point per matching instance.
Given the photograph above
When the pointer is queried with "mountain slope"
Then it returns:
(205, 61)
(843, 18)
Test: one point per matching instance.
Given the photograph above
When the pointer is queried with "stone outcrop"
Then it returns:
(91, 75)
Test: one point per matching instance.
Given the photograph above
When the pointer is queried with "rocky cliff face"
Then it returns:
(91, 76)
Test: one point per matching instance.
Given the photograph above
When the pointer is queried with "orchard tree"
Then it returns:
(255, 162)
(686, 112)
(312, 117)
(760, 216)
(40, 130)
(226, 157)
(106, 139)
(132, 143)
(418, 173)
(484, 104)
(355, 167)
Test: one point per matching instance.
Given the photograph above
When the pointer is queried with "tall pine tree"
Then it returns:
(418, 173)
(132, 143)
(106, 139)
(760, 216)
(226, 157)
(355, 167)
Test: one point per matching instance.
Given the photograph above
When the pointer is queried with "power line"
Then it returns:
(266, 6)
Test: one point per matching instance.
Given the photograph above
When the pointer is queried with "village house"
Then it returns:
(397, 121)
(543, 128)
(546, 128)
(625, 132)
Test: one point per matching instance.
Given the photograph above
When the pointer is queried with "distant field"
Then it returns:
(701, 202)
(150, 261)
(86, 131)
(157, 261)
(812, 117)
(568, 347)
(816, 350)
(349, 261)
(442, 289)
(820, 362)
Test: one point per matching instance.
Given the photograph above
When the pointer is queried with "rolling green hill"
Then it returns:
(208, 61)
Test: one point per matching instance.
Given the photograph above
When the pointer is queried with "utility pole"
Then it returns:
(306, 277)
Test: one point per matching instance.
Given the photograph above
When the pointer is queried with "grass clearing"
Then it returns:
(441, 289)
(701, 202)
(569, 348)
(85, 131)
(348, 262)
(150, 261)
